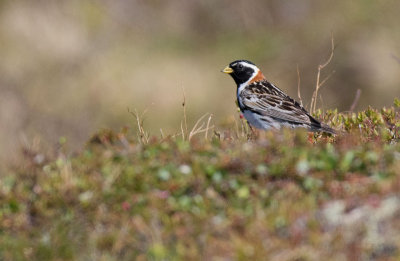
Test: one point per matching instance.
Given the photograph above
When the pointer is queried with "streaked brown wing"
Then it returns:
(279, 106)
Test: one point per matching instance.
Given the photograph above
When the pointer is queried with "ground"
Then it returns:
(223, 194)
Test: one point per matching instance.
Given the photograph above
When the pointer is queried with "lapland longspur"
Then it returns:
(264, 105)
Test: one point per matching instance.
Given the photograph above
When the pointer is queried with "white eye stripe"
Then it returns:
(250, 66)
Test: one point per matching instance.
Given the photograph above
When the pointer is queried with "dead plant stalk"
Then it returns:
(319, 83)
(142, 134)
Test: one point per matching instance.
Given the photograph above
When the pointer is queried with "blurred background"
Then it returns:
(69, 68)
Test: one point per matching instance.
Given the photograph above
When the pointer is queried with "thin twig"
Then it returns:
(326, 78)
(298, 86)
(355, 101)
(318, 84)
(182, 131)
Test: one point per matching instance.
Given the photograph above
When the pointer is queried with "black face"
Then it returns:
(241, 73)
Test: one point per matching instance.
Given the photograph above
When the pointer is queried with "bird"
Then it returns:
(264, 105)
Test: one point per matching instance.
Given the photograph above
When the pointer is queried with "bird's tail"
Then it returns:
(317, 126)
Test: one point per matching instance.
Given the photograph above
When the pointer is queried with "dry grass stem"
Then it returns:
(298, 86)
(208, 126)
(199, 126)
(162, 133)
(355, 101)
(184, 127)
(143, 135)
(182, 131)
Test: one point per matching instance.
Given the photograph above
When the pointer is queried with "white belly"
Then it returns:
(265, 123)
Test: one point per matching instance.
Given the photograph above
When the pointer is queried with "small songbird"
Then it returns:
(264, 105)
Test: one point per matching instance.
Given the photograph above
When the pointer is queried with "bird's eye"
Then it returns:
(240, 66)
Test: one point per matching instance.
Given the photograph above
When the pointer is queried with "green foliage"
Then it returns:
(279, 195)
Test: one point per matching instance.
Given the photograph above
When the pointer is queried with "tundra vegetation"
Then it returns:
(211, 193)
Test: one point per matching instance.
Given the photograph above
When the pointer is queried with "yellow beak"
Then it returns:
(227, 70)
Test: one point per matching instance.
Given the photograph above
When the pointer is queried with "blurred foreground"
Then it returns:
(282, 196)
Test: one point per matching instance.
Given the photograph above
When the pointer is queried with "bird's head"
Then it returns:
(242, 71)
